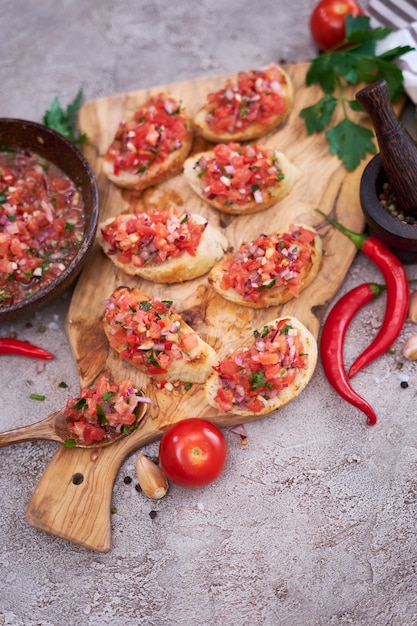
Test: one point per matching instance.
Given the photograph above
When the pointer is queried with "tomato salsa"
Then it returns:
(157, 129)
(269, 262)
(252, 376)
(104, 410)
(146, 332)
(254, 98)
(152, 237)
(42, 223)
(236, 174)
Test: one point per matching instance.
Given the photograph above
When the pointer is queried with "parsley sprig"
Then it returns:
(66, 121)
(341, 66)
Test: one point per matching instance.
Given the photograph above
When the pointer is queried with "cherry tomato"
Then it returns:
(327, 21)
(193, 452)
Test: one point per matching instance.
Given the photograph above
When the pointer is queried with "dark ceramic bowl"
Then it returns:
(401, 238)
(55, 148)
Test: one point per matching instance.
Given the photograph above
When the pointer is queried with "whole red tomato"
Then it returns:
(193, 452)
(327, 21)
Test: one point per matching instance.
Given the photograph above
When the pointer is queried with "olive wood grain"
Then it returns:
(73, 498)
(48, 429)
(397, 148)
(81, 513)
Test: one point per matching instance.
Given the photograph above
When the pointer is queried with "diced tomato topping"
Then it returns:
(252, 376)
(77, 428)
(42, 224)
(255, 405)
(224, 399)
(269, 263)
(147, 238)
(158, 129)
(103, 409)
(146, 332)
(256, 97)
(190, 342)
(236, 174)
(228, 368)
(93, 433)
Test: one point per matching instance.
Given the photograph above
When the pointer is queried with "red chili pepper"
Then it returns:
(15, 346)
(397, 293)
(332, 339)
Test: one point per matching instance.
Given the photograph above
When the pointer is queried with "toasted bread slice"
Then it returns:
(152, 146)
(247, 106)
(270, 270)
(267, 372)
(241, 180)
(135, 244)
(155, 340)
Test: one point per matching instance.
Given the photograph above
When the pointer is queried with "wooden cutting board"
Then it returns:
(73, 498)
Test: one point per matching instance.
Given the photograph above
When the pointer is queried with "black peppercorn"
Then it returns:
(404, 384)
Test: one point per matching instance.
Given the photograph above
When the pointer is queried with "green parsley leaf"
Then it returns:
(81, 404)
(257, 380)
(318, 116)
(145, 305)
(69, 443)
(257, 333)
(65, 122)
(350, 142)
(321, 73)
(152, 359)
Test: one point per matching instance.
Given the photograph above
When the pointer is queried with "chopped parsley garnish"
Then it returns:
(81, 404)
(37, 396)
(258, 380)
(262, 334)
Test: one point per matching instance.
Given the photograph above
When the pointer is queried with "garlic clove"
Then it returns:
(151, 478)
(410, 349)
(412, 307)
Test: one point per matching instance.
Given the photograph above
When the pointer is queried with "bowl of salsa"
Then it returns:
(49, 208)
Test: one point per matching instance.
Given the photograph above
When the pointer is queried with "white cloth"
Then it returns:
(401, 16)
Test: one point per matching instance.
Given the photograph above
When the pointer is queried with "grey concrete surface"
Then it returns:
(314, 522)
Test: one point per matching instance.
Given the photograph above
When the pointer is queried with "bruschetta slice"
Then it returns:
(164, 246)
(152, 146)
(247, 106)
(267, 373)
(145, 332)
(271, 269)
(238, 179)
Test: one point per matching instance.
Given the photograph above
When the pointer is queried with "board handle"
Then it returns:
(73, 498)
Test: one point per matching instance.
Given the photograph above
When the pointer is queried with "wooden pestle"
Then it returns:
(397, 148)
